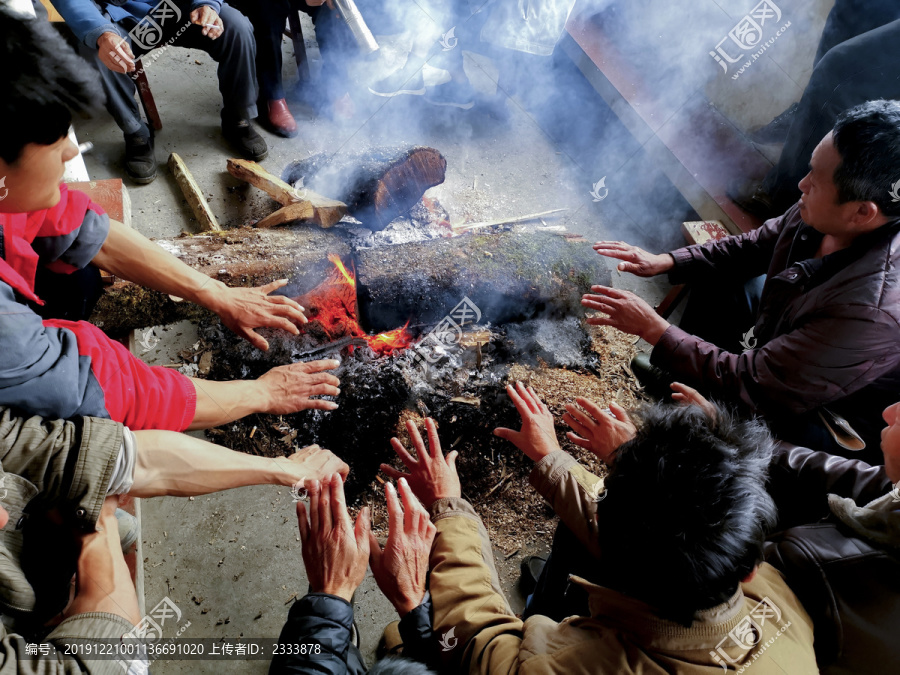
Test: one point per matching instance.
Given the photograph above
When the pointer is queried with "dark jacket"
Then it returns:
(828, 329)
(325, 621)
(848, 579)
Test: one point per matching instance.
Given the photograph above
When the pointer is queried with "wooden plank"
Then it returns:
(257, 176)
(193, 194)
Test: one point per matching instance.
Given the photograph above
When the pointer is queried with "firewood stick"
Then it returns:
(193, 194)
(303, 205)
(461, 227)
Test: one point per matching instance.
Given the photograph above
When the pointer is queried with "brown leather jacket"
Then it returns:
(841, 556)
(827, 330)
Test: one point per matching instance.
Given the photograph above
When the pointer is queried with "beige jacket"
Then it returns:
(761, 629)
(44, 464)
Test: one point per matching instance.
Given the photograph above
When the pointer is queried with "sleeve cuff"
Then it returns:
(682, 257)
(101, 441)
(452, 506)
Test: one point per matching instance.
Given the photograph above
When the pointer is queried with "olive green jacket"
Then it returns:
(761, 629)
(62, 465)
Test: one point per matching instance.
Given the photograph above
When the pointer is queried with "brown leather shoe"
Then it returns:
(280, 119)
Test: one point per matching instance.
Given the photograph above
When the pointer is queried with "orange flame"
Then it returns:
(335, 313)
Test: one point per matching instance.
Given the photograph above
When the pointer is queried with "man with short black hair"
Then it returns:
(817, 353)
(678, 583)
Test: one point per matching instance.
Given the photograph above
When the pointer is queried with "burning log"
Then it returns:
(298, 205)
(240, 257)
(510, 276)
(377, 185)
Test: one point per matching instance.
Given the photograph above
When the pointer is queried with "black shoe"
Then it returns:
(242, 135)
(775, 131)
(140, 160)
(756, 202)
(406, 81)
(530, 568)
(655, 381)
(454, 94)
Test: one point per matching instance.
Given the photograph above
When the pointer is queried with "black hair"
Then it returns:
(43, 84)
(397, 665)
(867, 137)
(687, 510)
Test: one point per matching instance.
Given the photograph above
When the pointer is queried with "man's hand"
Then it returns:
(537, 438)
(686, 395)
(315, 463)
(288, 389)
(319, 3)
(432, 476)
(625, 311)
(115, 53)
(243, 309)
(597, 430)
(401, 568)
(336, 553)
(637, 260)
(212, 24)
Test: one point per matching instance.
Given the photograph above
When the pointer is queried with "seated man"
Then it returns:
(840, 550)
(681, 586)
(54, 239)
(69, 467)
(336, 555)
(113, 35)
(854, 62)
(820, 352)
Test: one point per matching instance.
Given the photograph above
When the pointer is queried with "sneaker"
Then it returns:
(454, 94)
(129, 530)
(406, 81)
(140, 160)
(244, 138)
(776, 131)
(530, 569)
(655, 381)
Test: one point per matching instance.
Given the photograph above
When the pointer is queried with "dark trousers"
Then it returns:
(855, 71)
(554, 595)
(336, 46)
(234, 51)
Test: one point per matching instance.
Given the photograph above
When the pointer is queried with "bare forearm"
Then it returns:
(130, 255)
(169, 463)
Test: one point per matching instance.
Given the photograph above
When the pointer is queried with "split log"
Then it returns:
(193, 194)
(510, 276)
(299, 205)
(377, 185)
(239, 257)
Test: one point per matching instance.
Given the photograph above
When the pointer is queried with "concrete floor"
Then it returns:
(231, 561)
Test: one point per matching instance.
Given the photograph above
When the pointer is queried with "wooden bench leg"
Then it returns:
(146, 96)
(296, 31)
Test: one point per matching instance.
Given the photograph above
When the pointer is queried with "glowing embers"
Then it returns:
(332, 310)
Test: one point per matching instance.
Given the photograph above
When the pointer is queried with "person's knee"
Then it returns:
(238, 28)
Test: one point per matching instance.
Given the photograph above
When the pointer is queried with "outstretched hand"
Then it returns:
(335, 552)
(401, 568)
(289, 389)
(596, 430)
(245, 309)
(537, 437)
(686, 395)
(626, 312)
(636, 260)
(430, 475)
(313, 462)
